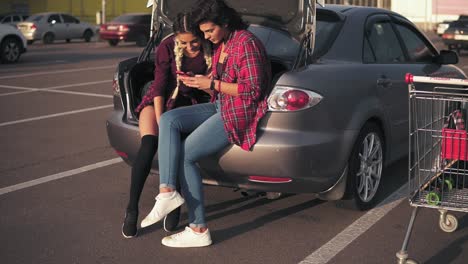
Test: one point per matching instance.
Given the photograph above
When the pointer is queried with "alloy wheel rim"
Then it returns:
(370, 168)
(12, 51)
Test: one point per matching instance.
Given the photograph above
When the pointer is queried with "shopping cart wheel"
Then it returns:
(433, 198)
(450, 224)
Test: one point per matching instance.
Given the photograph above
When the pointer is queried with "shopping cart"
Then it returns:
(438, 153)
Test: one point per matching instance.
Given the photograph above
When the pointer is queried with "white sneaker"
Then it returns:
(162, 207)
(188, 238)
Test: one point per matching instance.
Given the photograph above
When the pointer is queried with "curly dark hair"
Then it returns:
(183, 23)
(218, 12)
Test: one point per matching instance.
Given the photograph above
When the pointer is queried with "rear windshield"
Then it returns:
(34, 18)
(459, 23)
(327, 29)
(131, 19)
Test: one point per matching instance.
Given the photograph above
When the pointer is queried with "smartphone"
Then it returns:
(185, 73)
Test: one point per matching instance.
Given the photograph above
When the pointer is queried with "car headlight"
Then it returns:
(284, 98)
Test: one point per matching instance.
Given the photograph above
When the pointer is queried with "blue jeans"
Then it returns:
(177, 158)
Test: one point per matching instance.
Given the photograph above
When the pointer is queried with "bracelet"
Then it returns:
(212, 84)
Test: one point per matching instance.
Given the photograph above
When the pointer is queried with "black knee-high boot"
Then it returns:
(141, 168)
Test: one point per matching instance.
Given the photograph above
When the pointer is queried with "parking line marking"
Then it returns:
(54, 89)
(58, 176)
(55, 115)
(329, 250)
(54, 72)
(78, 84)
(17, 87)
(13, 93)
(79, 93)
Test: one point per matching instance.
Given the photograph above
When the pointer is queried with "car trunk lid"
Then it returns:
(292, 15)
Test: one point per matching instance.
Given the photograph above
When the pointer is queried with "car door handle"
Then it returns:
(384, 82)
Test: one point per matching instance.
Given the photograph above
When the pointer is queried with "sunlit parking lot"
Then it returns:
(63, 190)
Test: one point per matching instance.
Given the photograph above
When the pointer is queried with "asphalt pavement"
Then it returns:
(63, 190)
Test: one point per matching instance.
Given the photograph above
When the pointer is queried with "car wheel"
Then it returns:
(48, 38)
(113, 42)
(365, 167)
(141, 40)
(88, 35)
(11, 50)
(30, 42)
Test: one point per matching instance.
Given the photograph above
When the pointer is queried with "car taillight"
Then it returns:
(115, 84)
(448, 36)
(123, 28)
(33, 27)
(292, 99)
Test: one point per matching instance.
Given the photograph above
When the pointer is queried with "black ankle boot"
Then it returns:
(129, 227)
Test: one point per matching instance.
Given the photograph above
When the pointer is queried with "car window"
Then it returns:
(7, 19)
(146, 20)
(326, 31)
(417, 48)
(277, 43)
(35, 18)
(53, 18)
(69, 19)
(384, 43)
(367, 54)
(16, 19)
(126, 19)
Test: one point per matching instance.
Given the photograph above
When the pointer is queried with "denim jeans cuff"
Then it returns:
(197, 225)
(167, 185)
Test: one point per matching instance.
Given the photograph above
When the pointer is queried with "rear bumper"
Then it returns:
(455, 42)
(313, 161)
(34, 35)
(114, 35)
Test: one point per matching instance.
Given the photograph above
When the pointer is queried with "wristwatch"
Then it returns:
(212, 85)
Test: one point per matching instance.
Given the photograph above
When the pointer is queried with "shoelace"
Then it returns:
(181, 233)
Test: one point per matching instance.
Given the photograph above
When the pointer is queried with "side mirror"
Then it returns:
(446, 57)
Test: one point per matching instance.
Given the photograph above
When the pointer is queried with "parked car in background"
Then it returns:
(52, 26)
(441, 27)
(456, 35)
(12, 44)
(338, 110)
(129, 27)
(12, 18)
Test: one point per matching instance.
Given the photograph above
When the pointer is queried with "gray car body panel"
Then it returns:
(60, 29)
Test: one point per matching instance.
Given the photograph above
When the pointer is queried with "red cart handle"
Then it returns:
(410, 78)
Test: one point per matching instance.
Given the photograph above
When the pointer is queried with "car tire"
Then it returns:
(113, 42)
(142, 40)
(10, 50)
(30, 42)
(365, 167)
(88, 34)
(48, 38)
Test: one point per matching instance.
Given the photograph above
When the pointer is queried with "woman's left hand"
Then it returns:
(200, 82)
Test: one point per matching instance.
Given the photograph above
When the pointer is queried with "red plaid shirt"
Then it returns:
(247, 65)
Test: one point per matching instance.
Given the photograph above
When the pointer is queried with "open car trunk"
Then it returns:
(280, 24)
